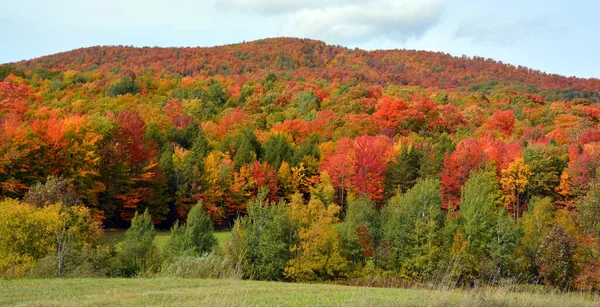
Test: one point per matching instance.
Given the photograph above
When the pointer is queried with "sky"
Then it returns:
(560, 37)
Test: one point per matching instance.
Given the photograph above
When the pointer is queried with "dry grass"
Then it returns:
(211, 292)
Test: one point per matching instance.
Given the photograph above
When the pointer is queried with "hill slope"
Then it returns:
(314, 58)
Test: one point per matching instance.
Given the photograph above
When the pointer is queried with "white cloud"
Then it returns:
(351, 21)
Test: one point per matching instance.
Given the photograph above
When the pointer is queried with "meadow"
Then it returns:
(211, 292)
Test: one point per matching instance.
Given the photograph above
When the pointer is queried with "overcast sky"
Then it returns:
(554, 36)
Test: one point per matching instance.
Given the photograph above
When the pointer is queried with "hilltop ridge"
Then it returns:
(314, 58)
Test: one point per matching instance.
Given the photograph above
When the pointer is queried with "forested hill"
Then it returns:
(432, 165)
(315, 59)
(121, 129)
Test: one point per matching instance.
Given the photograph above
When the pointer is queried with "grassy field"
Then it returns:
(207, 292)
(116, 235)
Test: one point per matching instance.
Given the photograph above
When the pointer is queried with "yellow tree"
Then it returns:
(514, 182)
(218, 178)
(284, 178)
(318, 252)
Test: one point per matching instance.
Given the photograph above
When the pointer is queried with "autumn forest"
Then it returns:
(324, 163)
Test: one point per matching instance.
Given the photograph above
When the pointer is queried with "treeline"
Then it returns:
(409, 238)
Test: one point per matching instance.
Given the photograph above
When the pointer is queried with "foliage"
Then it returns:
(26, 235)
(514, 183)
(55, 190)
(112, 131)
(29, 233)
(123, 86)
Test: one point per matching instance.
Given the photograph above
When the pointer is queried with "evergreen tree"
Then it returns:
(278, 149)
(402, 172)
(138, 244)
(195, 237)
(247, 149)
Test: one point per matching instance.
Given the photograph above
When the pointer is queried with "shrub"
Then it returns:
(79, 263)
(27, 234)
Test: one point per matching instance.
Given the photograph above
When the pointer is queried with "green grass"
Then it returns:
(209, 292)
(115, 236)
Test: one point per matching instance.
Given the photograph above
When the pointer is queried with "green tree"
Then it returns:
(589, 209)
(357, 231)
(195, 237)
(402, 172)
(277, 149)
(478, 210)
(433, 154)
(546, 163)
(261, 240)
(469, 236)
(410, 230)
(307, 101)
(216, 93)
(138, 247)
(247, 149)
(535, 223)
(504, 246)
(123, 86)
(189, 173)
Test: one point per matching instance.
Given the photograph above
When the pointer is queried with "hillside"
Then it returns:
(315, 59)
(410, 164)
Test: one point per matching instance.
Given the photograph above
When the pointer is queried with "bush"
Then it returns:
(84, 263)
(205, 266)
(28, 233)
